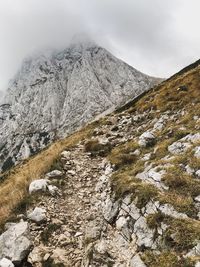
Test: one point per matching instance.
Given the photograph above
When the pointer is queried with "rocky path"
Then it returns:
(69, 214)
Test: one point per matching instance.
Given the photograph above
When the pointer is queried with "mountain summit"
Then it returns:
(55, 93)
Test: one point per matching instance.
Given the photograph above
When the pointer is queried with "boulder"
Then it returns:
(37, 215)
(38, 185)
(6, 263)
(178, 147)
(15, 243)
(146, 139)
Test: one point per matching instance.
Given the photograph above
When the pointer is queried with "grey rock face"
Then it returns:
(14, 243)
(55, 93)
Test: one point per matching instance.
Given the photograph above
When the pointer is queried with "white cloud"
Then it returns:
(154, 36)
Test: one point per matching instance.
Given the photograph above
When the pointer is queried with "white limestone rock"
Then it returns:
(184, 144)
(53, 190)
(197, 173)
(197, 198)
(15, 243)
(192, 138)
(189, 170)
(147, 138)
(121, 222)
(153, 176)
(179, 147)
(195, 252)
(197, 152)
(110, 210)
(38, 185)
(6, 263)
(54, 174)
(169, 210)
(137, 262)
(38, 215)
(65, 154)
(145, 235)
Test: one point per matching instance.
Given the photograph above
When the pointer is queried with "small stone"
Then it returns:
(189, 170)
(78, 234)
(197, 198)
(53, 190)
(38, 185)
(71, 172)
(46, 256)
(38, 215)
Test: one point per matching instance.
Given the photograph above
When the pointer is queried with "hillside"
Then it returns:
(123, 191)
(54, 93)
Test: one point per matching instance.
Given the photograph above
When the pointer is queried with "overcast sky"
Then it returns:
(154, 36)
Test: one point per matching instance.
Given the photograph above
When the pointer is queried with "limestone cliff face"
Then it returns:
(55, 93)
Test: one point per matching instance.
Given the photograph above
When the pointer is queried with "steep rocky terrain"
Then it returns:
(55, 93)
(123, 192)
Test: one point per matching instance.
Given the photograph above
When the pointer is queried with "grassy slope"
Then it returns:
(14, 185)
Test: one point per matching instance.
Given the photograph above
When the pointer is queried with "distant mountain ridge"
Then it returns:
(55, 93)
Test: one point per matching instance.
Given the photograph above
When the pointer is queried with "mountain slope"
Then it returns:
(57, 92)
(129, 189)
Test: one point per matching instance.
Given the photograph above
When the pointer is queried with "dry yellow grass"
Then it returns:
(165, 96)
(14, 188)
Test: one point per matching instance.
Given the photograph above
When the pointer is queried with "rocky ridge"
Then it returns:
(55, 93)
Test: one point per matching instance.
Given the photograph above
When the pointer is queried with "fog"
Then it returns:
(154, 36)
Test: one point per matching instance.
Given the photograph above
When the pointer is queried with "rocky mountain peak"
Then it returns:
(56, 92)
